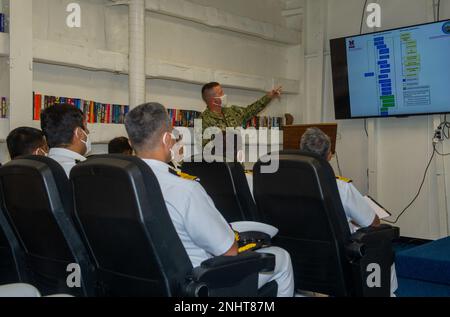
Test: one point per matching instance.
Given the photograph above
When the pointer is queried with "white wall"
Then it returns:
(262, 10)
(168, 39)
(402, 146)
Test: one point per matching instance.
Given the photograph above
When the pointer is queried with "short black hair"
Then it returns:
(24, 141)
(145, 124)
(119, 146)
(207, 88)
(58, 123)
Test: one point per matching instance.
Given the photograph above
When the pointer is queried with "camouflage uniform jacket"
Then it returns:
(233, 116)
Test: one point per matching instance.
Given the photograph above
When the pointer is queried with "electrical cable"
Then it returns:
(444, 126)
(418, 193)
(362, 17)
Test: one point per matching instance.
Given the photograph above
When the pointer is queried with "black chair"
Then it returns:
(37, 202)
(137, 252)
(11, 256)
(227, 185)
(302, 200)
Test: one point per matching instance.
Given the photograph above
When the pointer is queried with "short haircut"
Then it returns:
(119, 146)
(145, 124)
(58, 123)
(315, 141)
(206, 88)
(24, 141)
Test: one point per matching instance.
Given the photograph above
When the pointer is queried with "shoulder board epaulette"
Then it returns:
(183, 175)
(187, 176)
(344, 179)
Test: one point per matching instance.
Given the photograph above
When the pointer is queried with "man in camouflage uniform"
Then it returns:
(219, 114)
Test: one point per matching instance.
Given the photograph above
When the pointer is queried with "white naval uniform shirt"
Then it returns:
(200, 226)
(355, 207)
(66, 158)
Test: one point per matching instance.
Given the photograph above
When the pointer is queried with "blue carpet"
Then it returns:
(429, 262)
(423, 270)
(416, 288)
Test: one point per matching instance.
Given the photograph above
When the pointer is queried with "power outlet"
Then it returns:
(438, 135)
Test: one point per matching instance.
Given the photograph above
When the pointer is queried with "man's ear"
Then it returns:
(166, 139)
(76, 134)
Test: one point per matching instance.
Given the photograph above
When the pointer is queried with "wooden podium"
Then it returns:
(292, 134)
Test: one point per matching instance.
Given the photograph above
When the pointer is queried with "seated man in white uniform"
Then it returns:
(200, 226)
(67, 136)
(357, 210)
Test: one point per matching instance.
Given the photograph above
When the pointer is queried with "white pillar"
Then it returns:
(136, 22)
(315, 27)
(21, 63)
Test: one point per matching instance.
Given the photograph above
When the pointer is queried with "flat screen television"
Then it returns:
(398, 72)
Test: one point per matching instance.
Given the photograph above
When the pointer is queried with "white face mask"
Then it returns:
(172, 136)
(177, 152)
(223, 101)
(87, 143)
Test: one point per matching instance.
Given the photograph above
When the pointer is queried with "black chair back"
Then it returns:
(123, 216)
(301, 199)
(11, 256)
(37, 202)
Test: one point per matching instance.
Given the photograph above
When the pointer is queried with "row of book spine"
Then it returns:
(4, 107)
(264, 122)
(94, 112)
(183, 118)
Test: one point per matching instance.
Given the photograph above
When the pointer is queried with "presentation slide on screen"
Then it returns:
(399, 72)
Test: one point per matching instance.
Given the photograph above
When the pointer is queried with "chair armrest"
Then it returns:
(248, 261)
(376, 244)
(224, 272)
(371, 235)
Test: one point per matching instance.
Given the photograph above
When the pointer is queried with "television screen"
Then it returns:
(399, 72)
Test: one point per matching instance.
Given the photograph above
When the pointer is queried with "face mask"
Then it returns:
(41, 152)
(172, 152)
(177, 152)
(87, 143)
(223, 100)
